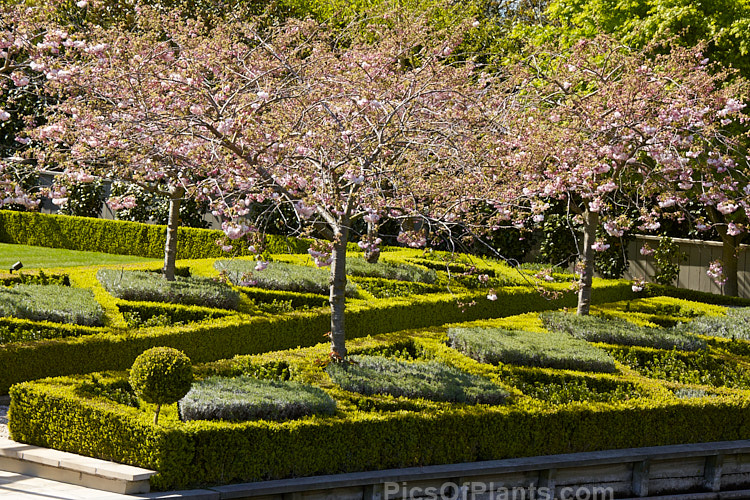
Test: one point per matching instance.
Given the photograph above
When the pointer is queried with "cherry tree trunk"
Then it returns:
(590, 223)
(729, 252)
(173, 223)
(729, 249)
(338, 291)
(372, 255)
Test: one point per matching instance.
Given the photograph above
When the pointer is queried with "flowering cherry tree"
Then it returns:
(600, 128)
(109, 127)
(24, 36)
(720, 184)
(366, 123)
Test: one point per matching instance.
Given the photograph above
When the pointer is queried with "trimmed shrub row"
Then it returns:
(121, 237)
(37, 278)
(23, 330)
(143, 314)
(703, 368)
(226, 337)
(562, 388)
(385, 288)
(566, 418)
(655, 290)
(295, 300)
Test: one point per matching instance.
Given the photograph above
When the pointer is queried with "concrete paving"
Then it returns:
(21, 487)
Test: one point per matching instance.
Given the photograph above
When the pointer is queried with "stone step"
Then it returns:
(73, 469)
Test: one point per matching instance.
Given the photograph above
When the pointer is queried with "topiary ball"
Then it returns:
(161, 375)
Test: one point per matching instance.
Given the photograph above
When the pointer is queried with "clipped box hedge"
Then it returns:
(640, 412)
(140, 312)
(122, 237)
(24, 330)
(231, 335)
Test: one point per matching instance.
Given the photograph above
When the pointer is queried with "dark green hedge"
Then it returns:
(121, 237)
(24, 330)
(382, 288)
(298, 300)
(226, 337)
(35, 278)
(195, 453)
(176, 313)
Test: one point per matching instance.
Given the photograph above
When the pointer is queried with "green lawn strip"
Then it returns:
(34, 257)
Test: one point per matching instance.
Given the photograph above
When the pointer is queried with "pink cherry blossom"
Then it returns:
(599, 246)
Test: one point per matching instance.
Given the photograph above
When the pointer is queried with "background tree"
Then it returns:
(722, 27)
(600, 126)
(25, 35)
(722, 24)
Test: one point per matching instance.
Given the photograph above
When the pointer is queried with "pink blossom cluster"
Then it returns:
(716, 272)
(122, 202)
(321, 252)
(638, 285)
(414, 239)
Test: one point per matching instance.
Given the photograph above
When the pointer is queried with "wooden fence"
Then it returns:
(698, 254)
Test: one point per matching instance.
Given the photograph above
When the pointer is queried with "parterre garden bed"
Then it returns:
(437, 377)
(413, 398)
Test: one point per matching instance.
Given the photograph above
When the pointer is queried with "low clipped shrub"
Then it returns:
(38, 278)
(453, 266)
(146, 314)
(161, 375)
(611, 330)
(118, 391)
(381, 288)
(247, 398)
(563, 391)
(735, 325)
(280, 276)
(146, 286)
(655, 290)
(276, 299)
(22, 330)
(699, 368)
(389, 270)
(545, 349)
(56, 303)
(429, 380)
